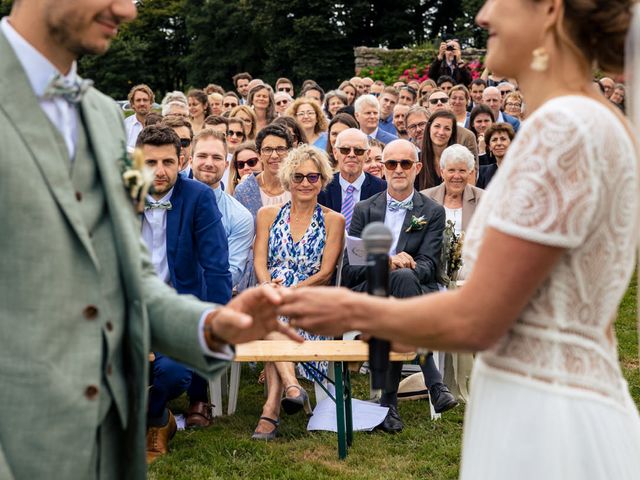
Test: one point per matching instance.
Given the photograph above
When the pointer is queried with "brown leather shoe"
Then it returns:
(158, 438)
(199, 415)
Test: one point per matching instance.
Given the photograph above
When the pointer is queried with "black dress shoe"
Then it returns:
(392, 422)
(441, 398)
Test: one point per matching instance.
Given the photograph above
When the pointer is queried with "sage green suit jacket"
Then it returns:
(47, 420)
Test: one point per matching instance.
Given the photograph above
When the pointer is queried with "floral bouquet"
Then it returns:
(450, 256)
(137, 178)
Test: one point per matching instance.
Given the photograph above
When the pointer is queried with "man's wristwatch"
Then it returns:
(214, 342)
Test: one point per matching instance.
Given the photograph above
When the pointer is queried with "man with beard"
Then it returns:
(141, 99)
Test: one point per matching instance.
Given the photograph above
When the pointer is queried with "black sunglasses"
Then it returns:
(311, 177)
(434, 101)
(356, 150)
(185, 142)
(229, 105)
(284, 89)
(235, 133)
(393, 164)
(252, 162)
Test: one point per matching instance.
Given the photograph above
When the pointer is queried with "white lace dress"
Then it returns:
(548, 400)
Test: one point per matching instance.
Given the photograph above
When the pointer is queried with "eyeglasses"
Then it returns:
(504, 92)
(235, 133)
(513, 105)
(229, 105)
(415, 126)
(443, 100)
(185, 142)
(358, 152)
(251, 162)
(393, 164)
(268, 151)
(283, 102)
(284, 89)
(311, 177)
(310, 113)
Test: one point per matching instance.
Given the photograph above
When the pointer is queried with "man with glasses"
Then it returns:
(417, 225)
(350, 184)
(183, 129)
(492, 98)
(367, 110)
(506, 88)
(285, 85)
(416, 121)
(388, 100)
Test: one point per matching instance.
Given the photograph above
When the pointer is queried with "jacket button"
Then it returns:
(90, 312)
(79, 196)
(91, 392)
(109, 326)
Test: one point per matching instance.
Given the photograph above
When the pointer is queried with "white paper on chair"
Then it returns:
(356, 251)
(366, 416)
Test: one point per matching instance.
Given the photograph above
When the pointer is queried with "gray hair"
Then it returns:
(457, 153)
(166, 108)
(175, 96)
(344, 133)
(366, 101)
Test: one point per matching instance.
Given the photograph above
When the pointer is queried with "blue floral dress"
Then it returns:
(297, 261)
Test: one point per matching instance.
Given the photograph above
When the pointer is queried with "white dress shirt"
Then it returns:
(133, 128)
(394, 220)
(357, 184)
(40, 71)
(154, 234)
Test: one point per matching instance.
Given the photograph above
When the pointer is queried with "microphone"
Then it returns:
(377, 241)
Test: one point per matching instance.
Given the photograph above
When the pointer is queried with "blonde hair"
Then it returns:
(299, 155)
(321, 121)
(244, 109)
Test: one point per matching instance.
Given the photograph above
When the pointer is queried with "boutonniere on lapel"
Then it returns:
(417, 224)
(136, 177)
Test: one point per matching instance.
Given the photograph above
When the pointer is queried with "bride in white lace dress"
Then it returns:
(550, 251)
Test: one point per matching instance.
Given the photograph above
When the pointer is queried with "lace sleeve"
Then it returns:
(548, 195)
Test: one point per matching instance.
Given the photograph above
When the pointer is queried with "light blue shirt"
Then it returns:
(357, 185)
(394, 220)
(238, 225)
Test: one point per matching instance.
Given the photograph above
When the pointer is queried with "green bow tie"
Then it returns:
(71, 90)
(162, 205)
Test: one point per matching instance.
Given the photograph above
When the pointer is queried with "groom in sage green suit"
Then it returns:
(80, 305)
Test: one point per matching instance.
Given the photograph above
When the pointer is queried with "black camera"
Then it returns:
(450, 48)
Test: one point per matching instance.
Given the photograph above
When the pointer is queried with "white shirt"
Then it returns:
(394, 220)
(154, 234)
(40, 71)
(500, 118)
(455, 215)
(373, 134)
(357, 184)
(133, 128)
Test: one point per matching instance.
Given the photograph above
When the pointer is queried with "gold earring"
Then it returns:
(540, 62)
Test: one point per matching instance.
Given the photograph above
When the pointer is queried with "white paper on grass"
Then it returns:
(366, 416)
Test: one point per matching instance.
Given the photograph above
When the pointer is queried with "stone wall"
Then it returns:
(376, 57)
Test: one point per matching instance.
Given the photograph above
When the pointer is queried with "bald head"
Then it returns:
(400, 148)
(351, 135)
(491, 97)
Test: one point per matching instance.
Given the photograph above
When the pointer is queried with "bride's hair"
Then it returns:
(597, 31)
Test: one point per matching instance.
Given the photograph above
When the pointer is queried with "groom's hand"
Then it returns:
(247, 317)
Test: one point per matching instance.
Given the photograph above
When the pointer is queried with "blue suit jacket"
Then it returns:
(332, 196)
(513, 121)
(385, 137)
(197, 249)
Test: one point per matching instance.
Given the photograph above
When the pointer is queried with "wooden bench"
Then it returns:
(339, 352)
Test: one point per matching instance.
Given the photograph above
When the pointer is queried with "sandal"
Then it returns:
(293, 405)
(269, 435)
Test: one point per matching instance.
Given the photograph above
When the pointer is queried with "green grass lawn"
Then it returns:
(425, 449)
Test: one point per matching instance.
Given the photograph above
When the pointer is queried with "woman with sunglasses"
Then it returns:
(273, 143)
(245, 161)
(299, 229)
(235, 133)
(249, 120)
(441, 131)
(313, 122)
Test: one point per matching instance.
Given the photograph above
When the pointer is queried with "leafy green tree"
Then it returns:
(5, 7)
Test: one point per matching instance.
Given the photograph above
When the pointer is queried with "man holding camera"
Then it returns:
(449, 62)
